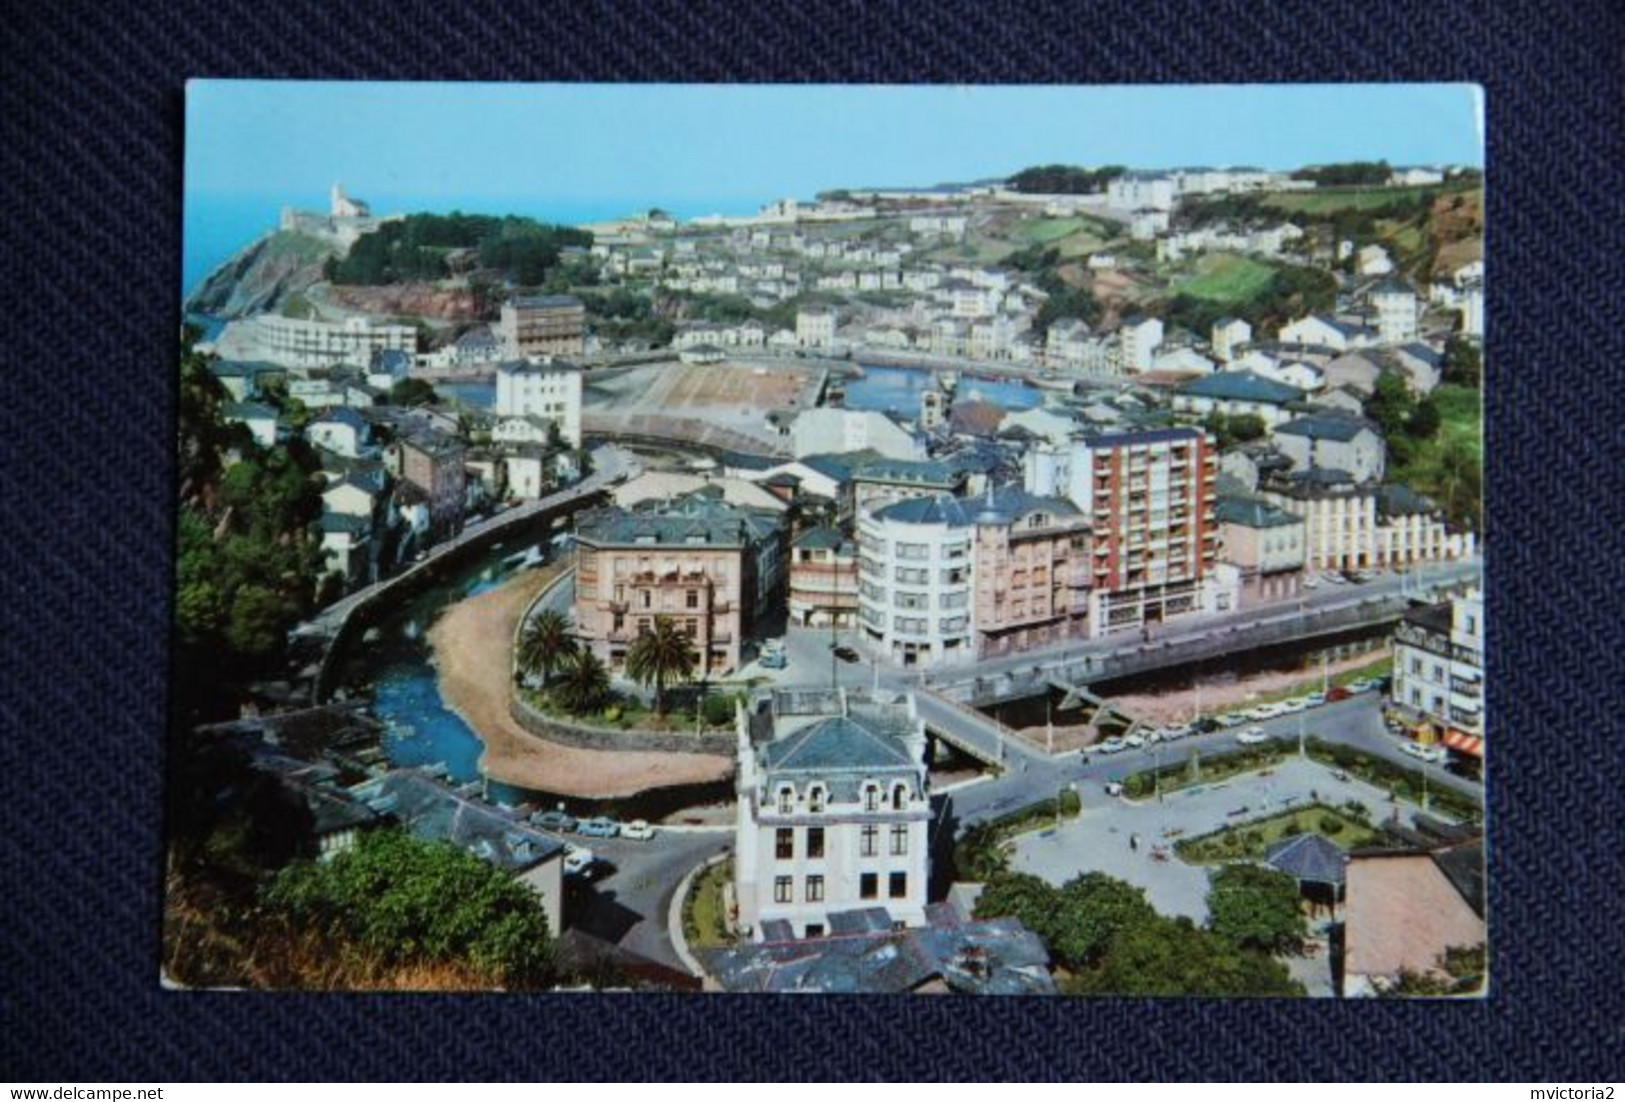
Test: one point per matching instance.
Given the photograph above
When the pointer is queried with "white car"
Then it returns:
(1310, 583)
(1363, 685)
(1110, 746)
(1424, 753)
(577, 860)
(1293, 706)
(1172, 734)
(1314, 699)
(1135, 741)
(1230, 719)
(1252, 736)
(638, 830)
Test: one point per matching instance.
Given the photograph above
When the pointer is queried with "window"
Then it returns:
(1416, 666)
(815, 841)
(897, 887)
(899, 797)
(783, 889)
(871, 797)
(899, 839)
(646, 598)
(784, 843)
(815, 929)
(871, 841)
(693, 598)
(815, 889)
(815, 800)
(787, 800)
(869, 886)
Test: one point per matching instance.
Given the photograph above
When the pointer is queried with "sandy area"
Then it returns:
(1177, 706)
(473, 642)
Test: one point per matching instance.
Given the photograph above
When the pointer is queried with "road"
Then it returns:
(631, 905)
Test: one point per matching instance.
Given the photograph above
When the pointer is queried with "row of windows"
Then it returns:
(784, 842)
(817, 794)
(784, 887)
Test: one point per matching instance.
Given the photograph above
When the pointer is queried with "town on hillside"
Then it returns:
(1068, 583)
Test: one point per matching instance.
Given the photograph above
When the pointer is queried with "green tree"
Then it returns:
(583, 684)
(1256, 907)
(661, 656)
(1461, 482)
(1165, 956)
(411, 392)
(1390, 404)
(1024, 896)
(408, 901)
(1424, 421)
(546, 644)
(1463, 362)
(1094, 909)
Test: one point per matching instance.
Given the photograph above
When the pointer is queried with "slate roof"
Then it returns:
(1432, 618)
(1308, 858)
(941, 509)
(1143, 436)
(342, 415)
(1402, 501)
(1250, 512)
(695, 519)
(525, 367)
(839, 466)
(914, 471)
(247, 411)
(1422, 352)
(1338, 426)
(995, 957)
(435, 813)
(341, 522)
(1392, 285)
(1010, 502)
(821, 538)
(1241, 386)
(836, 744)
(539, 302)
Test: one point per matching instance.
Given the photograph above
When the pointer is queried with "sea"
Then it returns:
(216, 227)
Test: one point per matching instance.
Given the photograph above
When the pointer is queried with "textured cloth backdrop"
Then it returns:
(92, 153)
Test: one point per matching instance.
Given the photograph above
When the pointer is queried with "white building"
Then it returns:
(914, 581)
(815, 327)
(1439, 669)
(1138, 341)
(1132, 192)
(823, 431)
(834, 811)
(297, 342)
(1374, 260)
(1397, 311)
(260, 420)
(1229, 334)
(550, 390)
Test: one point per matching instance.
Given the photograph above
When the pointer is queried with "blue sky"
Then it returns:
(730, 145)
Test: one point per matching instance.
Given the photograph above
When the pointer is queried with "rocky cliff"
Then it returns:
(262, 277)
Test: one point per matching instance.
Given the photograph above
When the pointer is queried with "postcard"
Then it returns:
(914, 539)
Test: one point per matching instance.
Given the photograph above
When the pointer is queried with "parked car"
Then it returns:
(577, 860)
(598, 828)
(1424, 753)
(1205, 725)
(1113, 788)
(1136, 741)
(773, 660)
(845, 653)
(1174, 734)
(1337, 692)
(1362, 685)
(1230, 719)
(1111, 746)
(638, 830)
(556, 821)
(1310, 583)
(1314, 699)
(1293, 706)
(1252, 736)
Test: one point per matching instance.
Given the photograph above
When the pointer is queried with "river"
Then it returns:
(898, 389)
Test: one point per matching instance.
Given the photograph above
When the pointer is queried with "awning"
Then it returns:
(1467, 744)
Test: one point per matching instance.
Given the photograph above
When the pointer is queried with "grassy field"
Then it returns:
(1247, 841)
(1461, 419)
(1224, 277)
(1328, 200)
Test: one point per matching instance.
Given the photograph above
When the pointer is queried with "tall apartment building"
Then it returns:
(712, 567)
(432, 463)
(1350, 524)
(543, 326)
(1397, 311)
(550, 390)
(834, 811)
(1030, 568)
(1149, 499)
(1439, 669)
(914, 581)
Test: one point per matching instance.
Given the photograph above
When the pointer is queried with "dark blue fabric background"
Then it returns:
(92, 115)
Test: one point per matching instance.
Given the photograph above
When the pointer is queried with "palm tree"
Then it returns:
(545, 645)
(583, 684)
(660, 656)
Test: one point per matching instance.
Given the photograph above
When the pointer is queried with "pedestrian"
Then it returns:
(1134, 843)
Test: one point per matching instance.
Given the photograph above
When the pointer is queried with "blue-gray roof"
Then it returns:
(941, 509)
(1010, 502)
(1331, 425)
(995, 957)
(537, 302)
(823, 537)
(342, 415)
(1241, 386)
(922, 472)
(435, 813)
(1424, 353)
(1402, 501)
(1309, 858)
(837, 745)
(1250, 512)
(1142, 436)
(247, 411)
(695, 519)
